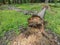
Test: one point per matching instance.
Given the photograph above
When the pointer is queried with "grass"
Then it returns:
(29, 6)
(10, 19)
(53, 20)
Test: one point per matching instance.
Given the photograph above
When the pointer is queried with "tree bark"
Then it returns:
(4, 2)
(46, 1)
(9, 2)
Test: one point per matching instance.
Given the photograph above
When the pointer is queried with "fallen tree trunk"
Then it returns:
(42, 13)
(35, 33)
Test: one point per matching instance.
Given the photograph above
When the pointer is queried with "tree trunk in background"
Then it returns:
(26, 1)
(23, 1)
(18, 1)
(32, 1)
(55, 1)
(14, 1)
(9, 2)
(38, 1)
(46, 1)
(3, 2)
(50, 1)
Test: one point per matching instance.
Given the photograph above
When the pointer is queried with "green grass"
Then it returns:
(36, 6)
(53, 20)
(11, 20)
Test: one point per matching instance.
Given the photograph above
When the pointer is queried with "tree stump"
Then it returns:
(34, 34)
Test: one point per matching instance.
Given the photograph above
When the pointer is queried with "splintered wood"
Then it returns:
(35, 34)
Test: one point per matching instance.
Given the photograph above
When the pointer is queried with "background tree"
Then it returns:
(27, 1)
(9, 1)
(3, 1)
(55, 1)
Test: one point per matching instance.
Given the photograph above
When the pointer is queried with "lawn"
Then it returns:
(11, 20)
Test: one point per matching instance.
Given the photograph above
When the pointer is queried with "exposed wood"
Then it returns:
(35, 34)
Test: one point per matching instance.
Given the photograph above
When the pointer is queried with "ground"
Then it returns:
(11, 19)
